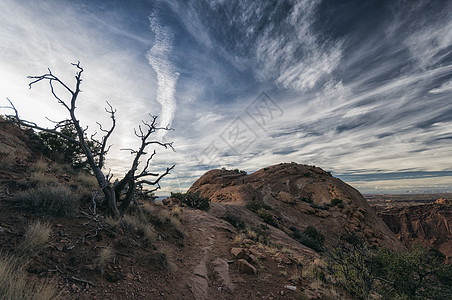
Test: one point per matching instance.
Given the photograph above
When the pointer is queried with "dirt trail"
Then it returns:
(207, 246)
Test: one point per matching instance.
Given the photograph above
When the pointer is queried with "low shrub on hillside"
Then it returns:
(35, 239)
(254, 206)
(139, 225)
(310, 237)
(49, 201)
(337, 202)
(194, 200)
(417, 274)
(267, 217)
(41, 179)
(258, 233)
(306, 199)
(235, 221)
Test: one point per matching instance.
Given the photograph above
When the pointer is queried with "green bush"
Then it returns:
(311, 237)
(49, 201)
(194, 200)
(235, 221)
(254, 206)
(63, 151)
(306, 199)
(267, 217)
(258, 233)
(337, 202)
(416, 274)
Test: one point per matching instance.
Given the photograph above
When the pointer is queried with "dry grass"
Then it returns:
(140, 226)
(238, 239)
(105, 256)
(169, 258)
(177, 212)
(40, 179)
(40, 166)
(49, 201)
(296, 274)
(161, 216)
(174, 222)
(113, 223)
(56, 167)
(87, 180)
(251, 234)
(15, 284)
(35, 239)
(7, 160)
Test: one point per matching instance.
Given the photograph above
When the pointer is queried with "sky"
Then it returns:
(362, 89)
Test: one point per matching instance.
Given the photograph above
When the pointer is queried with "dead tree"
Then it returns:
(120, 194)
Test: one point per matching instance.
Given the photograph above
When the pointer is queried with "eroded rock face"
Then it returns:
(429, 225)
(299, 196)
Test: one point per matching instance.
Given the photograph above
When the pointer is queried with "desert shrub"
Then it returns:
(40, 166)
(337, 202)
(62, 151)
(254, 206)
(41, 179)
(15, 284)
(194, 200)
(306, 199)
(416, 274)
(258, 233)
(240, 171)
(235, 221)
(140, 225)
(310, 237)
(49, 201)
(35, 239)
(350, 263)
(267, 217)
(105, 256)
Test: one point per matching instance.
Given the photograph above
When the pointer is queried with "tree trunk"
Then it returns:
(110, 198)
(129, 196)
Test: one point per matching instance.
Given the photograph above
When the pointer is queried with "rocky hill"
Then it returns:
(296, 196)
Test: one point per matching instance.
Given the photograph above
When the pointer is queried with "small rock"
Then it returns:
(290, 287)
(75, 288)
(239, 253)
(245, 267)
(253, 258)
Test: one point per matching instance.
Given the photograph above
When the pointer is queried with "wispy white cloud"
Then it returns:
(159, 59)
(445, 87)
(278, 52)
(431, 45)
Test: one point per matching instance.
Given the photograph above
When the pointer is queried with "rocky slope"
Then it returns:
(188, 253)
(297, 196)
(429, 225)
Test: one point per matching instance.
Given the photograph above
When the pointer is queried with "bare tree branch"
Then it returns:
(123, 191)
(158, 179)
(33, 125)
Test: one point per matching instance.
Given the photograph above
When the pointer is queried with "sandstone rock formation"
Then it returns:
(297, 196)
(429, 225)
